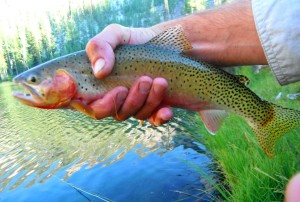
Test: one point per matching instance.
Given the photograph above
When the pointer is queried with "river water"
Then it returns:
(62, 155)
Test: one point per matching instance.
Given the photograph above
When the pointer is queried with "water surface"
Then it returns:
(55, 155)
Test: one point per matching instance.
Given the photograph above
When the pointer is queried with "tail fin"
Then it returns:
(281, 122)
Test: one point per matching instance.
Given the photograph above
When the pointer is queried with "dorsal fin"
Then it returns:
(173, 38)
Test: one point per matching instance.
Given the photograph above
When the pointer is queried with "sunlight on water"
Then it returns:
(36, 145)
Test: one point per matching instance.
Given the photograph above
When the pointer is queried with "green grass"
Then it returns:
(249, 174)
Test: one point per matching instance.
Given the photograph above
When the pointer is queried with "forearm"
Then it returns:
(224, 36)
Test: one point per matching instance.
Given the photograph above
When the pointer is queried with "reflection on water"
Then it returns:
(39, 148)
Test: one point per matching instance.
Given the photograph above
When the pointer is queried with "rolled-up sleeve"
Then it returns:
(278, 26)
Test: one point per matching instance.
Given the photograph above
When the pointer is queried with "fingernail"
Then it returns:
(144, 87)
(121, 97)
(167, 115)
(99, 64)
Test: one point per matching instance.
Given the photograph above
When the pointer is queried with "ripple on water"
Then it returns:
(37, 144)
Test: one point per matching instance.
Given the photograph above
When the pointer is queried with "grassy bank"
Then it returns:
(249, 173)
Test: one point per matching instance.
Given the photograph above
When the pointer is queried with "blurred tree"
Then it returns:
(33, 49)
(41, 35)
(3, 64)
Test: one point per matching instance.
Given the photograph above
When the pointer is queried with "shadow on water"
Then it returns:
(63, 152)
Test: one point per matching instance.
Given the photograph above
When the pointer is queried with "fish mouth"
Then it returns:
(31, 97)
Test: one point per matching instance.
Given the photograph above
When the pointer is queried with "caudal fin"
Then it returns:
(280, 123)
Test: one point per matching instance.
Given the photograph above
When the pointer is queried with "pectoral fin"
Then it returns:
(213, 119)
(83, 108)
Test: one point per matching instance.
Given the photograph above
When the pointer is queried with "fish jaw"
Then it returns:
(56, 92)
(32, 98)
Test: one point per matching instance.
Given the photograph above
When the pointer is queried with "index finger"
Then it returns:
(100, 48)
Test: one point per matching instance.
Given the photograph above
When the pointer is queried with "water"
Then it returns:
(55, 155)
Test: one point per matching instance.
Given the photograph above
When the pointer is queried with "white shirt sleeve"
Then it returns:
(278, 26)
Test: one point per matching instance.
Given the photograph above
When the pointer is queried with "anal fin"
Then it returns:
(213, 119)
(83, 108)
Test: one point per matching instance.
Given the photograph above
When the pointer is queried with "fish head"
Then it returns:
(46, 87)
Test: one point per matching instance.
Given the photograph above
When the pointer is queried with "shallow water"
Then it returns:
(62, 155)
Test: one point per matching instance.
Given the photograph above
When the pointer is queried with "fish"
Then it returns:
(68, 82)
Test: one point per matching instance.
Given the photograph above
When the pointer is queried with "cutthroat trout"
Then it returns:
(68, 82)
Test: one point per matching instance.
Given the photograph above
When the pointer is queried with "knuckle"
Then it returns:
(93, 43)
(121, 33)
(113, 27)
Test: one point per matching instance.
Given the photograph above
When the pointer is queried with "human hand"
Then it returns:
(144, 99)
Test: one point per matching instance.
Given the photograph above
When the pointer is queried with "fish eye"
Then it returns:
(32, 79)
